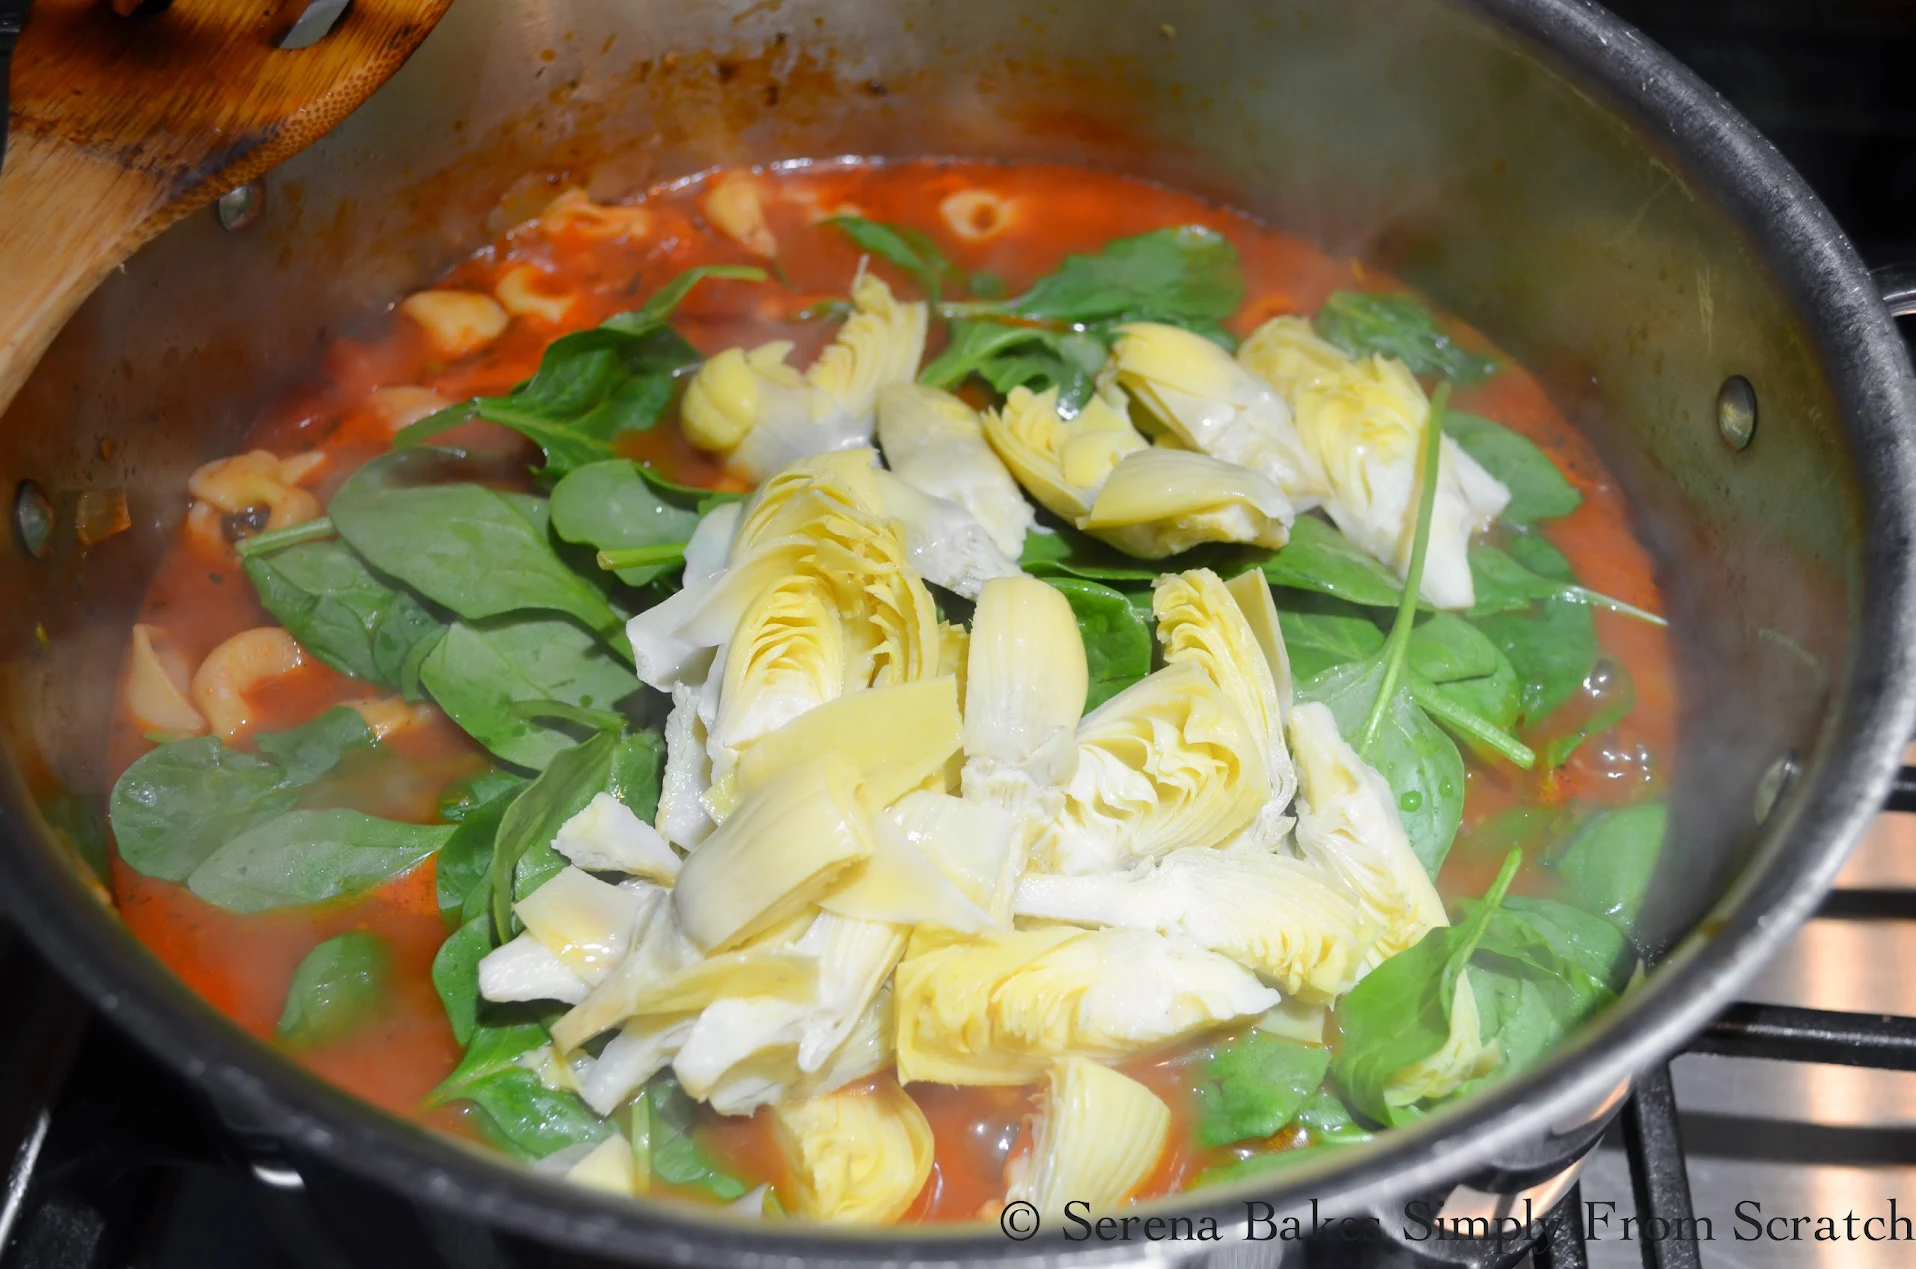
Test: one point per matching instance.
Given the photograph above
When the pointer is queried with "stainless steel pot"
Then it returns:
(1533, 164)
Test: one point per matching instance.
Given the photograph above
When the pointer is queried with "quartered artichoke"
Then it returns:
(761, 414)
(934, 441)
(1099, 1138)
(1362, 423)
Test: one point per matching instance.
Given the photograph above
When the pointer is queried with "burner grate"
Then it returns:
(1659, 1178)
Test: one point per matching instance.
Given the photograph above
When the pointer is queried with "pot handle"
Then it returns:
(1896, 283)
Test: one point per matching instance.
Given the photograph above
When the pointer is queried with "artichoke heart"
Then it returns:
(1365, 427)
(1464, 1056)
(1254, 601)
(1347, 823)
(1192, 390)
(965, 840)
(1288, 354)
(858, 1157)
(585, 922)
(1061, 463)
(1168, 762)
(899, 884)
(1098, 1140)
(934, 441)
(897, 737)
(607, 837)
(1199, 621)
(1275, 914)
(781, 849)
(761, 414)
(1026, 679)
(1001, 1007)
(1160, 501)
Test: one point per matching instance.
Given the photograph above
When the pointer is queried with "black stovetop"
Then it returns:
(108, 1162)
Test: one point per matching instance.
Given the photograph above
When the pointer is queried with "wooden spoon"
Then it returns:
(123, 124)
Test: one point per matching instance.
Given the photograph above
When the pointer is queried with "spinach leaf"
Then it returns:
(1615, 693)
(336, 988)
(1612, 858)
(1419, 762)
(1319, 558)
(677, 1158)
(1253, 1085)
(910, 249)
(403, 635)
(304, 857)
(1398, 326)
(515, 1107)
(1552, 650)
(479, 672)
(609, 506)
(592, 385)
(638, 767)
(1321, 632)
(466, 859)
(308, 751)
(1117, 642)
(1328, 1120)
(1445, 648)
(572, 779)
(1189, 273)
(694, 497)
(1069, 553)
(175, 805)
(462, 545)
(327, 599)
(1538, 491)
(462, 797)
(1057, 332)
(1399, 1013)
(1533, 569)
(455, 975)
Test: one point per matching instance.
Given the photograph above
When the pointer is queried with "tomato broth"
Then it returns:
(200, 596)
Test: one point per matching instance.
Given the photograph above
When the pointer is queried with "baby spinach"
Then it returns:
(479, 671)
(1253, 1084)
(1615, 693)
(910, 249)
(1551, 648)
(1419, 762)
(1612, 858)
(302, 857)
(336, 988)
(1328, 1120)
(1538, 491)
(327, 599)
(1056, 333)
(1117, 642)
(1189, 274)
(638, 766)
(572, 779)
(402, 637)
(1399, 1013)
(1319, 558)
(455, 975)
(514, 1106)
(470, 548)
(676, 1156)
(695, 497)
(1065, 552)
(462, 797)
(1320, 632)
(592, 385)
(178, 803)
(610, 506)
(465, 861)
(1362, 323)
(1503, 582)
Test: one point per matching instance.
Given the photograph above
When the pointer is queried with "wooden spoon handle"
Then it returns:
(121, 126)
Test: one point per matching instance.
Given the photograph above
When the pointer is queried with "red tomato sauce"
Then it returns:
(242, 964)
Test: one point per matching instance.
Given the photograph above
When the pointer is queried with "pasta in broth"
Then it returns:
(867, 692)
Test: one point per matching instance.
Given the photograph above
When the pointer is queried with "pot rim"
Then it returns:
(1843, 787)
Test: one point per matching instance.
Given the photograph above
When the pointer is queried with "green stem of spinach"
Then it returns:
(641, 556)
(1597, 599)
(1399, 645)
(291, 535)
(1441, 706)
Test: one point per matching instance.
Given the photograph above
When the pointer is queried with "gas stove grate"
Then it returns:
(1659, 1178)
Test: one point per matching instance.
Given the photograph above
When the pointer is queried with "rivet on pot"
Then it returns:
(1736, 412)
(238, 208)
(1775, 782)
(33, 519)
